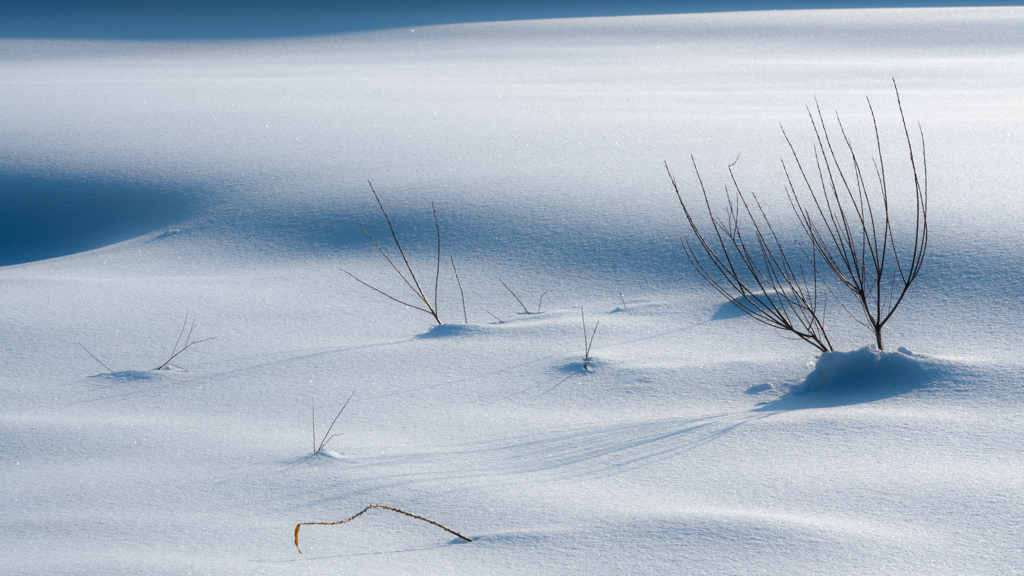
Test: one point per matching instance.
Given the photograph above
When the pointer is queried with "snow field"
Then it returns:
(228, 180)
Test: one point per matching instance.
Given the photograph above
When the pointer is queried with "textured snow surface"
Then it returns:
(227, 180)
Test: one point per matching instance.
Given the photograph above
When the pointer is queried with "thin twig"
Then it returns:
(500, 321)
(465, 318)
(363, 511)
(623, 300)
(354, 277)
(437, 273)
(587, 342)
(539, 304)
(95, 358)
(394, 236)
(514, 295)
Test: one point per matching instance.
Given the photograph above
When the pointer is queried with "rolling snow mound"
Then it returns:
(867, 368)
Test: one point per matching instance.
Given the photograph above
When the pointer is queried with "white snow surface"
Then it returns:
(227, 180)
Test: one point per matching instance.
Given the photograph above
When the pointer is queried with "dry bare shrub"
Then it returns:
(856, 254)
(846, 214)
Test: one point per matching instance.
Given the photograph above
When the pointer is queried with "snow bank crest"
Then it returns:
(862, 368)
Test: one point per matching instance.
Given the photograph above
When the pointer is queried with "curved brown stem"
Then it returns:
(363, 511)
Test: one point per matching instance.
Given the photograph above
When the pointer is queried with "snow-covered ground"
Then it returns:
(145, 181)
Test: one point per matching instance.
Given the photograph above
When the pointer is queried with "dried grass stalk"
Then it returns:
(363, 511)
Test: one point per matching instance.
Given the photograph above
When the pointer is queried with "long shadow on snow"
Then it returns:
(613, 448)
(860, 376)
(608, 449)
(600, 450)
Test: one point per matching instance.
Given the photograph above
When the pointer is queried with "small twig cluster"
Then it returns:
(363, 511)
(852, 233)
(587, 342)
(525, 309)
(428, 306)
(175, 352)
(758, 275)
(327, 435)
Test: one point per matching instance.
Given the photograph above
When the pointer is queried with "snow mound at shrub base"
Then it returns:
(867, 368)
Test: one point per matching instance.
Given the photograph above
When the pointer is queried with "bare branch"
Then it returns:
(756, 274)
(851, 227)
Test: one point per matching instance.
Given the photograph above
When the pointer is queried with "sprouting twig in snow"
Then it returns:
(327, 435)
(411, 281)
(188, 344)
(539, 304)
(525, 309)
(465, 318)
(95, 358)
(587, 342)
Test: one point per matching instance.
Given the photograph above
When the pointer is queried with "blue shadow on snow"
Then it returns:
(43, 218)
